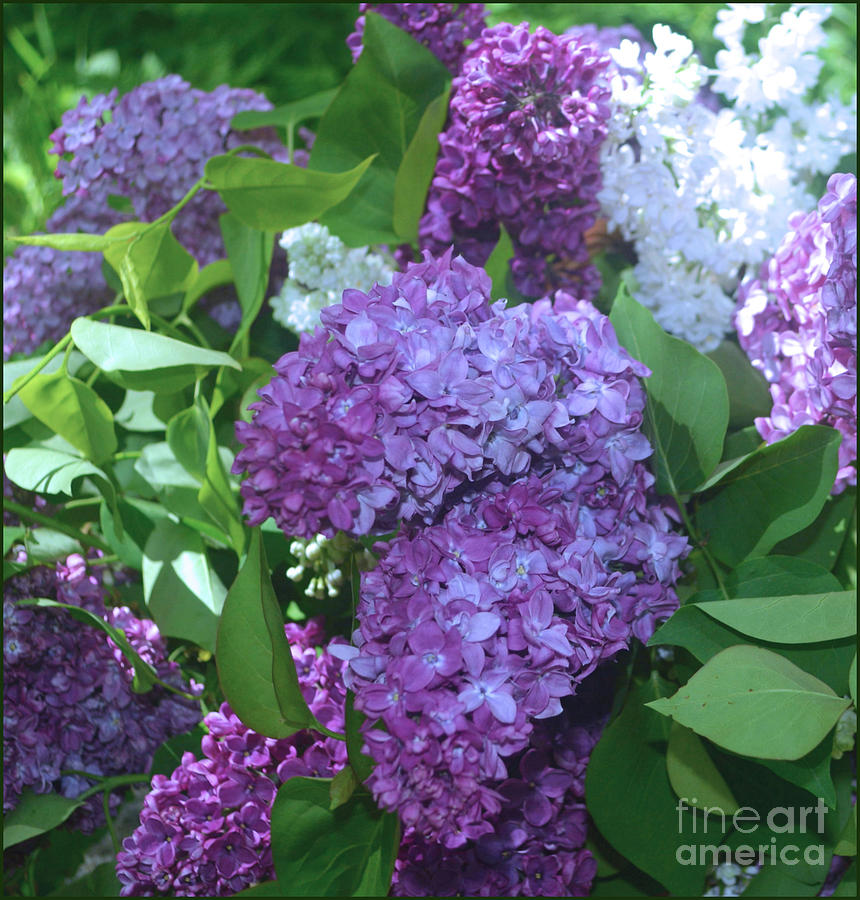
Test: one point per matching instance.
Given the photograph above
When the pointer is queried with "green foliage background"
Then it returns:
(56, 52)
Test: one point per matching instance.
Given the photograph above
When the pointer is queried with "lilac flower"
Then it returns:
(798, 324)
(206, 830)
(442, 27)
(68, 701)
(521, 149)
(149, 147)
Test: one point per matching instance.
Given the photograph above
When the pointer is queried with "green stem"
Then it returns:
(54, 351)
(170, 215)
(82, 501)
(127, 454)
(26, 513)
(697, 540)
(332, 734)
(182, 319)
(110, 826)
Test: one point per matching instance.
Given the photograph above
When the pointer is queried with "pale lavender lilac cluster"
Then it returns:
(68, 702)
(473, 629)
(798, 324)
(415, 390)
(206, 829)
(528, 114)
(148, 147)
(536, 845)
(443, 28)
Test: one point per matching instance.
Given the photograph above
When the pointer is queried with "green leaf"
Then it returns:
(342, 787)
(822, 541)
(377, 111)
(320, 852)
(704, 637)
(145, 676)
(255, 665)
(92, 243)
(217, 498)
(629, 797)
(73, 410)
(34, 815)
(361, 764)
(688, 405)
(14, 412)
(781, 488)
(98, 882)
(289, 115)
(795, 619)
(749, 396)
(137, 413)
(416, 169)
(182, 591)
(214, 275)
(263, 889)
(150, 263)
(498, 265)
(755, 702)
(188, 438)
(48, 471)
(273, 196)
(692, 773)
(847, 843)
(852, 680)
(250, 254)
(168, 757)
(143, 361)
(811, 772)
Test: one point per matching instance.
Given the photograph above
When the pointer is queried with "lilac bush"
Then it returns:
(521, 149)
(205, 830)
(149, 147)
(797, 322)
(443, 28)
(68, 702)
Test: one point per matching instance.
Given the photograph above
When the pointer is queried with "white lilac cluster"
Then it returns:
(729, 880)
(324, 558)
(701, 192)
(321, 266)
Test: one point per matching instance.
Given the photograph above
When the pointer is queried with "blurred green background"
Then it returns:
(56, 52)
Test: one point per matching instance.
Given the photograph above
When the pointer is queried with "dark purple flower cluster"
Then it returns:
(68, 702)
(149, 147)
(528, 114)
(472, 629)
(798, 324)
(535, 847)
(205, 830)
(443, 28)
(416, 389)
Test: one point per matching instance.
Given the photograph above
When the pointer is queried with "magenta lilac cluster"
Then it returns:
(148, 147)
(441, 27)
(415, 390)
(798, 324)
(473, 629)
(68, 702)
(521, 149)
(536, 845)
(205, 830)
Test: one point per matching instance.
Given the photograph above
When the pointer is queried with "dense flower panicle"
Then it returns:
(68, 702)
(443, 28)
(471, 629)
(205, 830)
(321, 267)
(414, 389)
(149, 147)
(798, 324)
(521, 149)
(701, 191)
(535, 847)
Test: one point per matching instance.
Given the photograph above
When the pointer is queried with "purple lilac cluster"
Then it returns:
(536, 845)
(443, 28)
(149, 147)
(68, 702)
(473, 629)
(205, 830)
(415, 390)
(528, 114)
(798, 324)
